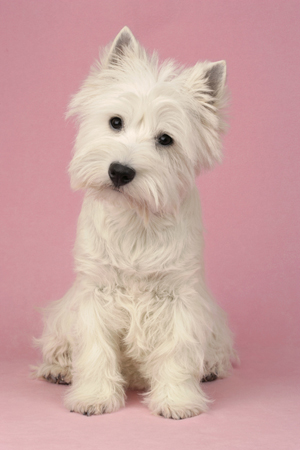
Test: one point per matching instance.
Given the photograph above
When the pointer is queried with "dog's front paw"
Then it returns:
(83, 402)
(177, 403)
(89, 409)
(177, 412)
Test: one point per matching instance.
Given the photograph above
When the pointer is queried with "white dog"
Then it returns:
(139, 314)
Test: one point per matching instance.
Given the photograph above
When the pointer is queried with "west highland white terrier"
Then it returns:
(139, 314)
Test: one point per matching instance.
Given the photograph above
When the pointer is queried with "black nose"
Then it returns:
(120, 174)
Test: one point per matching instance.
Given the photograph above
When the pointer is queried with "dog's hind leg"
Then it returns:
(56, 367)
(55, 342)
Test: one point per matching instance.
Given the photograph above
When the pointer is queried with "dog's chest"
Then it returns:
(133, 247)
(112, 240)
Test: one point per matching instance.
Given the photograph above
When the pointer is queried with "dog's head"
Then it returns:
(146, 129)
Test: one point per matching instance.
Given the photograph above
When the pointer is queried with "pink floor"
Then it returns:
(258, 407)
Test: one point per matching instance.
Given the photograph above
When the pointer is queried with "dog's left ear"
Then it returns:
(206, 81)
(205, 85)
(215, 78)
(121, 46)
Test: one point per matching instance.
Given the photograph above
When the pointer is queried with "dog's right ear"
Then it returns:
(121, 46)
(124, 44)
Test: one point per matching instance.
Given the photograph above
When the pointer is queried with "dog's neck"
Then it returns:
(115, 235)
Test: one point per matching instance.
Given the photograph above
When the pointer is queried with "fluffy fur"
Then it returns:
(139, 314)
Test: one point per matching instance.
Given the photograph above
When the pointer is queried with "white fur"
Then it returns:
(139, 314)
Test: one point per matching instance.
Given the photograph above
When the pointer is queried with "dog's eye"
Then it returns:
(116, 123)
(165, 139)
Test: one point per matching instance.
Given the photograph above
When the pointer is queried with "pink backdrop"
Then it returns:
(250, 203)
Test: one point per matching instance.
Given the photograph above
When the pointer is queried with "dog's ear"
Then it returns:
(112, 56)
(123, 43)
(216, 77)
(205, 85)
(206, 81)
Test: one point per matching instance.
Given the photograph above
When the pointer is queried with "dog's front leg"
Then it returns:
(174, 367)
(97, 385)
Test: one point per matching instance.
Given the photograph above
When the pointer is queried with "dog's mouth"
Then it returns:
(116, 189)
(119, 194)
(107, 186)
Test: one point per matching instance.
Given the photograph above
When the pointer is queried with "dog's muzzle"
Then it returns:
(120, 174)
